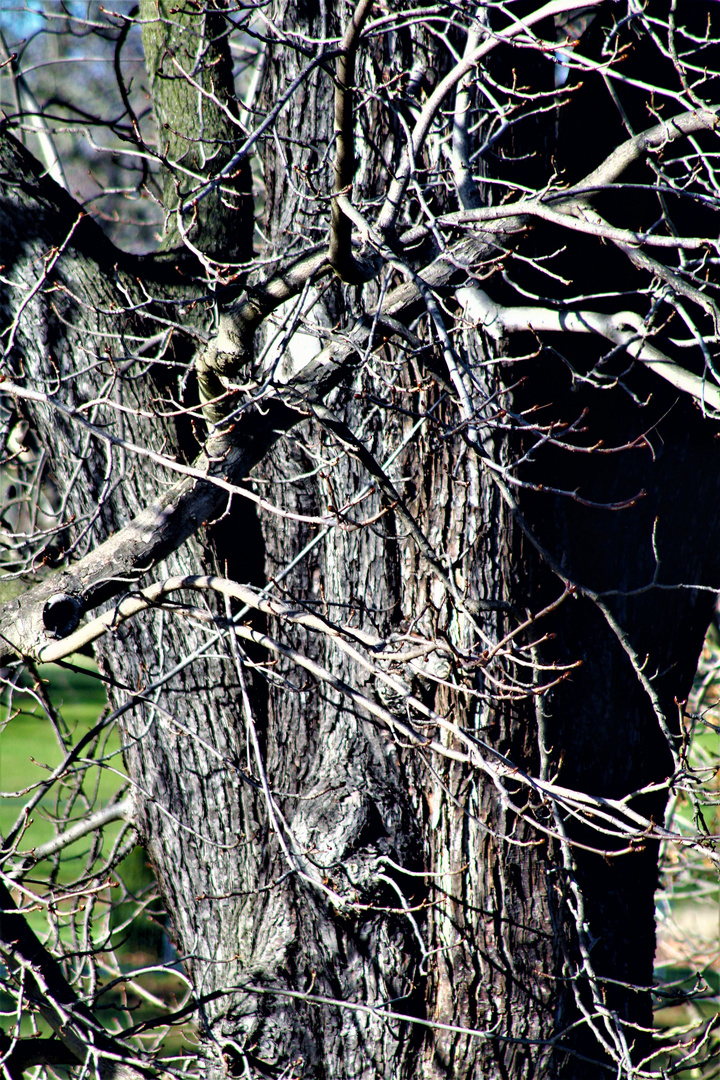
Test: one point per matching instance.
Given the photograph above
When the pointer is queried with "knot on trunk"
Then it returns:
(61, 614)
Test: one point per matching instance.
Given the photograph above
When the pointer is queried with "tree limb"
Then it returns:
(340, 253)
(498, 320)
(71, 1020)
(391, 208)
(115, 812)
(650, 140)
(466, 188)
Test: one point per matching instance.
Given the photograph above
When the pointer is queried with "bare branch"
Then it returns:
(653, 140)
(497, 321)
(460, 155)
(340, 253)
(388, 215)
(71, 1020)
(120, 811)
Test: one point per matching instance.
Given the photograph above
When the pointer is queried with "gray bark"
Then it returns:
(280, 946)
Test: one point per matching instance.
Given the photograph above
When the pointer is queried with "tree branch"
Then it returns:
(568, 202)
(497, 321)
(643, 261)
(115, 812)
(340, 253)
(391, 208)
(465, 186)
(653, 139)
(71, 1020)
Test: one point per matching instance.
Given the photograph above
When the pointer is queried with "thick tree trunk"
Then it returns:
(385, 881)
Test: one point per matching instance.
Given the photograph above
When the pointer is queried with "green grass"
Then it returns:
(689, 960)
(29, 751)
(30, 748)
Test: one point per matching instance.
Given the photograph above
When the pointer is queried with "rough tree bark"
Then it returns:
(386, 880)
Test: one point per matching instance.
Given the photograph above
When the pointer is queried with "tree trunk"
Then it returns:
(384, 881)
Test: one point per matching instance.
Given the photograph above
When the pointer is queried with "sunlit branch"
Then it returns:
(389, 213)
(625, 328)
(99, 819)
(467, 192)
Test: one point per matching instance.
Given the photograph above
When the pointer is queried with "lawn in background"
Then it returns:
(30, 750)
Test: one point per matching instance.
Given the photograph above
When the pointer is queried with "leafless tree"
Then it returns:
(384, 486)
